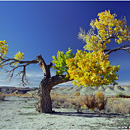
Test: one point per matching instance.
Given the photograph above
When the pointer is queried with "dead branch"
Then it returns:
(45, 68)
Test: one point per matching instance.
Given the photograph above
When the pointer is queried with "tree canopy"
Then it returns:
(92, 66)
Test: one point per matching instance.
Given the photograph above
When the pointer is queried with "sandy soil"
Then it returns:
(19, 113)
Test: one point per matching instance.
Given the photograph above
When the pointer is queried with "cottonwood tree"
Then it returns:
(90, 67)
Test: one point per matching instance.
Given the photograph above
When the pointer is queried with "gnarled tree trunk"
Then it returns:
(44, 98)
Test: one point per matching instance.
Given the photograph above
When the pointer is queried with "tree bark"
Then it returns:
(44, 99)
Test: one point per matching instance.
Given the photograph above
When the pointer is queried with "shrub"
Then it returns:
(101, 100)
(90, 101)
(77, 93)
(2, 97)
(95, 101)
(77, 103)
(100, 95)
(58, 100)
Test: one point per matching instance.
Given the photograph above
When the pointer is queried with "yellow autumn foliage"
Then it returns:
(91, 69)
(107, 26)
(3, 52)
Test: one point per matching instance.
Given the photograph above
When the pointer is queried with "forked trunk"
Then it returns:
(44, 99)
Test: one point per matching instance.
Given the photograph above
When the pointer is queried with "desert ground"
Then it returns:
(19, 113)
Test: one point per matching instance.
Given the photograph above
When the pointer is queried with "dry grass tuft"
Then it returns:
(118, 105)
(77, 102)
(90, 101)
(58, 100)
(76, 93)
(101, 100)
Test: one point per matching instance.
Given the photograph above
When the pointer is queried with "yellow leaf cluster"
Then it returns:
(91, 69)
(3, 48)
(19, 56)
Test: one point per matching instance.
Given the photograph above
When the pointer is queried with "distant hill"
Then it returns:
(107, 90)
(20, 90)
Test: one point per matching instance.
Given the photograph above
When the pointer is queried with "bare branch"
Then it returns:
(8, 63)
(110, 37)
(45, 68)
(11, 60)
(123, 47)
(14, 64)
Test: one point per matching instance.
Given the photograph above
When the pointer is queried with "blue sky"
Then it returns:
(46, 27)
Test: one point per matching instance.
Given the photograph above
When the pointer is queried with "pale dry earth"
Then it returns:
(18, 113)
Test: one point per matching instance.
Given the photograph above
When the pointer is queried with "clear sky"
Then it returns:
(46, 27)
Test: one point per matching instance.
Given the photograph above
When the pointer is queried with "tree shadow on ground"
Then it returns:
(90, 115)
